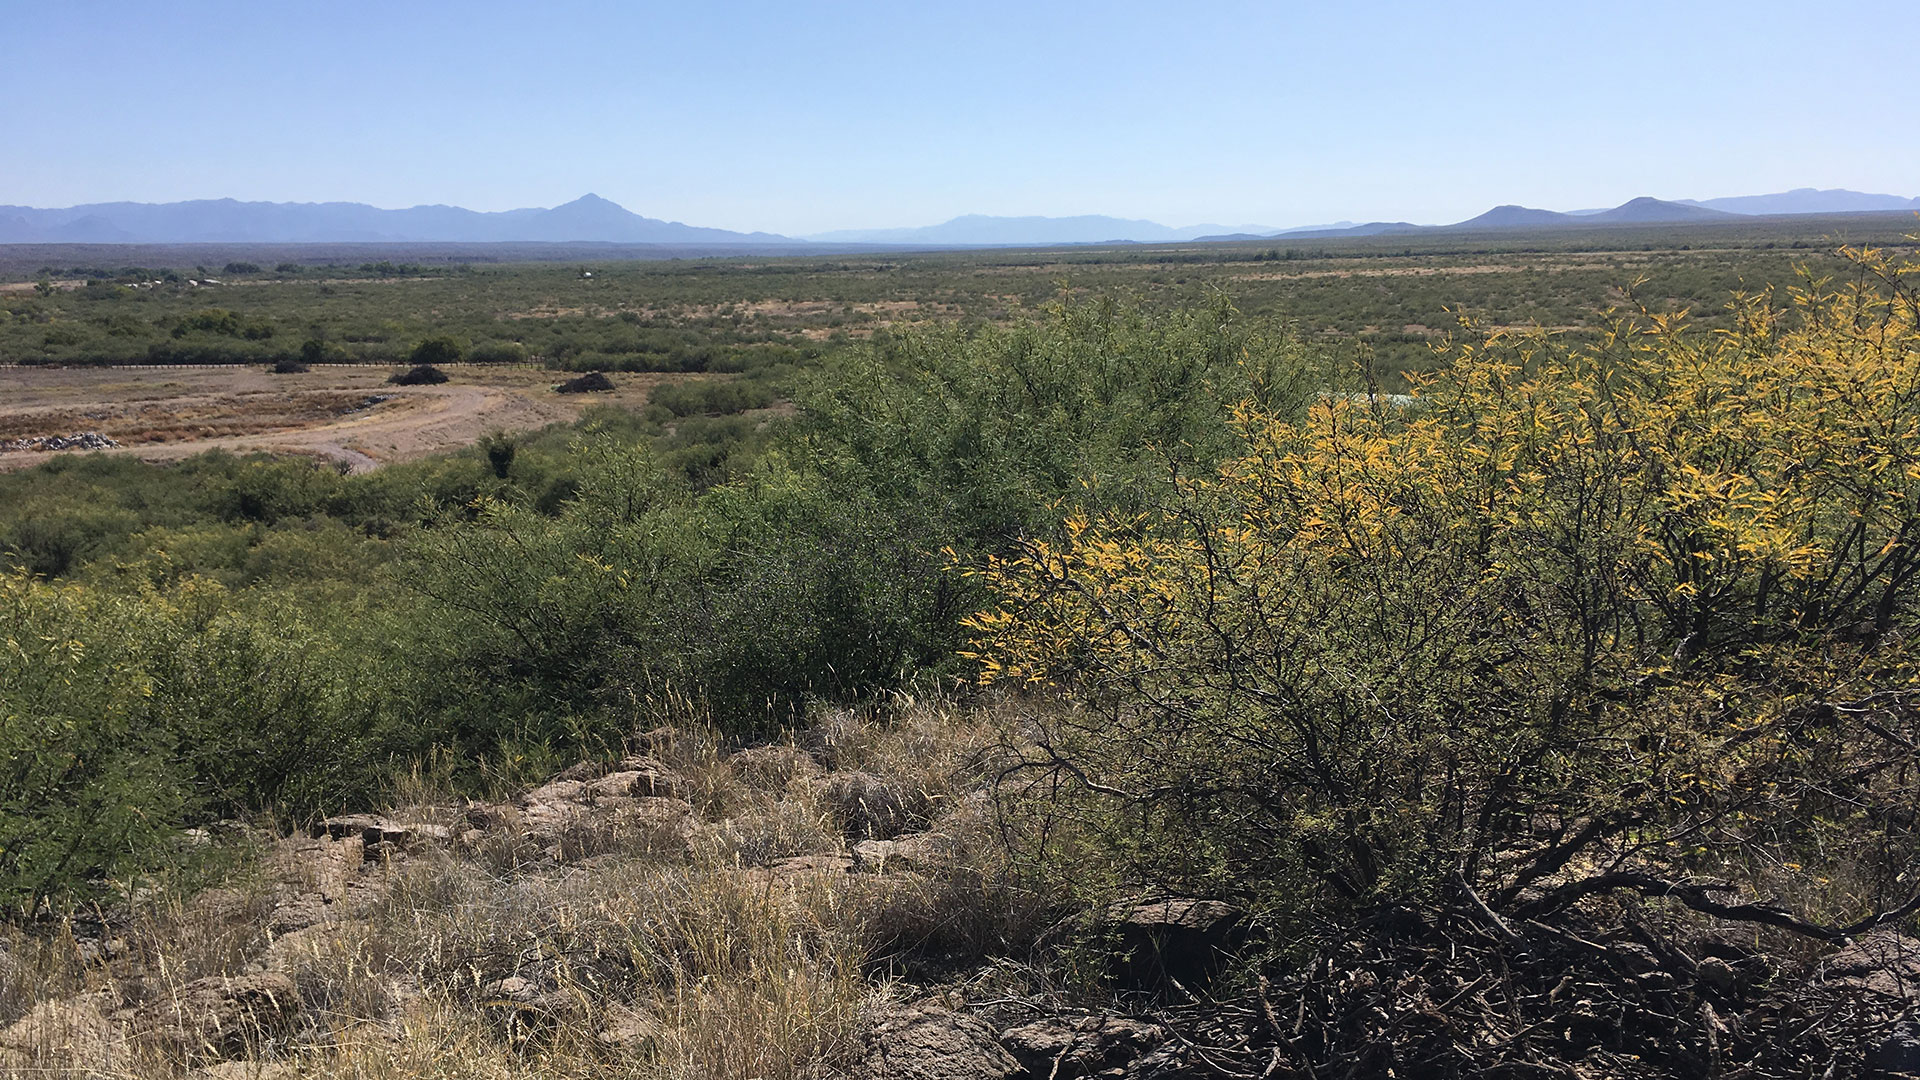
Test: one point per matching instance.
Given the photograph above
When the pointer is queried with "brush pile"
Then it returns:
(79, 440)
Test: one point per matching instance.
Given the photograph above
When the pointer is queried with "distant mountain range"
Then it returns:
(1641, 211)
(1808, 201)
(591, 218)
(980, 229)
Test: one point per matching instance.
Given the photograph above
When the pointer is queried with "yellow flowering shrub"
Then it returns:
(1572, 620)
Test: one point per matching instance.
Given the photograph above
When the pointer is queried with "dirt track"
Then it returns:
(165, 413)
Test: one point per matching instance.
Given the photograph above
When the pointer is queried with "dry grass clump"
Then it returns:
(166, 939)
(945, 751)
(74, 995)
(654, 969)
(37, 966)
(774, 829)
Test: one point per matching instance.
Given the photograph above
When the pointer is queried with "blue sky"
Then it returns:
(801, 117)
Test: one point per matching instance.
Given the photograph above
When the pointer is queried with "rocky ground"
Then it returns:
(844, 906)
(799, 910)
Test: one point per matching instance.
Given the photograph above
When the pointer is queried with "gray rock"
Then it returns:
(373, 831)
(1883, 962)
(1898, 1054)
(1065, 1047)
(79, 440)
(930, 1042)
(223, 1015)
(914, 851)
(1182, 938)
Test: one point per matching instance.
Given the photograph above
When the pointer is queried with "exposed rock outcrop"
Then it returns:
(1065, 1047)
(1884, 962)
(1182, 939)
(222, 1015)
(925, 851)
(929, 1041)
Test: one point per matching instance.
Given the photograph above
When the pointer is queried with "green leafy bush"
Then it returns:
(498, 352)
(822, 571)
(436, 350)
(51, 534)
(125, 717)
(93, 792)
(1577, 621)
(717, 397)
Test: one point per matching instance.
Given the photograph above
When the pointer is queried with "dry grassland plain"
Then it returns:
(67, 320)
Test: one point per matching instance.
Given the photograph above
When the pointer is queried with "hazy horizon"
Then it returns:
(770, 117)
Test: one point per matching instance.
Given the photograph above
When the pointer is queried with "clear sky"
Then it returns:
(798, 117)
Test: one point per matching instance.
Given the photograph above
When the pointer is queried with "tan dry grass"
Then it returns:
(645, 959)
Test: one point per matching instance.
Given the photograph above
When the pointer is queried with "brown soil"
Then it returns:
(162, 413)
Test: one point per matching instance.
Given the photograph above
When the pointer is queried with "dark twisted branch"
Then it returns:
(1699, 896)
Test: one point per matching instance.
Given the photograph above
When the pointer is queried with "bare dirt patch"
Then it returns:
(29, 286)
(214, 416)
(345, 413)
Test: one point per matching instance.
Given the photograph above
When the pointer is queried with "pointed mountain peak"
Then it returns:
(592, 212)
